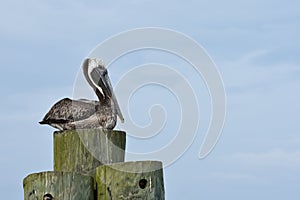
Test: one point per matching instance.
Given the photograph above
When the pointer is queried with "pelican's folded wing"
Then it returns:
(67, 110)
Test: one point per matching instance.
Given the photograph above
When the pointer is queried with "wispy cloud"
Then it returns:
(239, 178)
(273, 159)
(257, 72)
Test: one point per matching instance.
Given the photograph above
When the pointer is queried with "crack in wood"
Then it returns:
(109, 192)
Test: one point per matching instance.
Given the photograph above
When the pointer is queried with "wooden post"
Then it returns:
(130, 180)
(84, 150)
(61, 185)
(89, 165)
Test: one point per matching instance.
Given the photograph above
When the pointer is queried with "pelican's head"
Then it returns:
(96, 75)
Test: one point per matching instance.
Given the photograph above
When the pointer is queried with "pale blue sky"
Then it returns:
(255, 45)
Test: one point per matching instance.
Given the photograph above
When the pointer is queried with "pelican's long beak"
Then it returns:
(108, 90)
(97, 76)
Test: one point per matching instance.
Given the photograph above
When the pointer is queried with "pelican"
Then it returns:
(68, 114)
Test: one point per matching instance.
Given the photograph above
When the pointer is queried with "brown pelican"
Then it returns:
(83, 114)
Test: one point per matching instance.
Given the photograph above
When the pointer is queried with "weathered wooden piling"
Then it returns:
(130, 180)
(61, 185)
(84, 150)
(89, 165)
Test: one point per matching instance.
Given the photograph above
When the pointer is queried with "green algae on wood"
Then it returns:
(130, 180)
(84, 150)
(61, 185)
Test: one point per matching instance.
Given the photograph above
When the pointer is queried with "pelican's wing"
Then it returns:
(67, 110)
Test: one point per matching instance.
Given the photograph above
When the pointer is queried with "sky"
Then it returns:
(254, 45)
